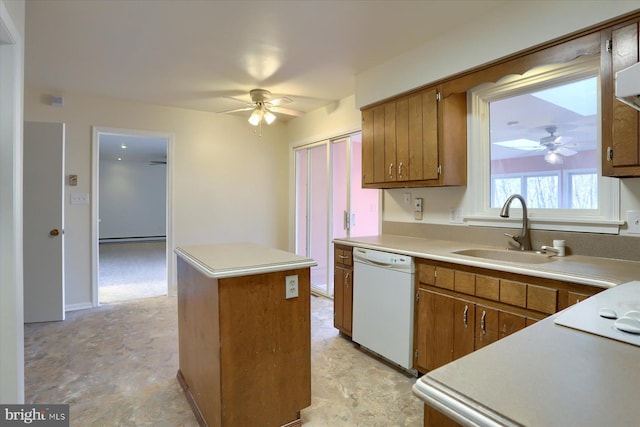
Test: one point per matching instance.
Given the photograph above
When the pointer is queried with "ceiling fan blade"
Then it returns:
(235, 110)
(286, 111)
(565, 151)
(280, 101)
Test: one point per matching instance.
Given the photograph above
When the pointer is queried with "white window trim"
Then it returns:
(606, 219)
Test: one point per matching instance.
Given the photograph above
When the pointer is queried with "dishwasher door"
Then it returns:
(383, 303)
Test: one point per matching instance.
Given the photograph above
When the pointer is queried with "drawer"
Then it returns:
(514, 293)
(464, 282)
(542, 299)
(487, 287)
(344, 256)
(444, 278)
(426, 274)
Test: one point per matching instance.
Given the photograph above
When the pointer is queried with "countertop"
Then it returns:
(544, 375)
(240, 259)
(594, 271)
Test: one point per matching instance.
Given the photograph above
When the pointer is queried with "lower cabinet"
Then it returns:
(343, 289)
(461, 309)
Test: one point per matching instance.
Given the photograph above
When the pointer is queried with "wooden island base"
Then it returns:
(245, 349)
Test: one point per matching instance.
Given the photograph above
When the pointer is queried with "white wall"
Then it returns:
(12, 15)
(132, 199)
(228, 183)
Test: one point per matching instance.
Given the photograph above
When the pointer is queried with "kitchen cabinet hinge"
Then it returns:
(609, 154)
(417, 296)
(437, 96)
(609, 45)
(416, 354)
(439, 169)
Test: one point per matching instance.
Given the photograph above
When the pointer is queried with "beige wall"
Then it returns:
(228, 183)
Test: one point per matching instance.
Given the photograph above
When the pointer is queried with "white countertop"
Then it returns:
(240, 259)
(594, 271)
(544, 375)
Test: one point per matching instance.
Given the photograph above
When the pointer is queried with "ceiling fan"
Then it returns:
(262, 107)
(555, 146)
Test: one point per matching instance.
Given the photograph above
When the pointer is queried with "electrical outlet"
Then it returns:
(291, 285)
(633, 222)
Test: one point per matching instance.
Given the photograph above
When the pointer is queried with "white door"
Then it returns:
(43, 211)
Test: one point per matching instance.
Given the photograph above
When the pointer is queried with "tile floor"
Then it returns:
(116, 365)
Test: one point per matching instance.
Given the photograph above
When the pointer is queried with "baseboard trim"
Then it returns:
(79, 306)
(133, 239)
(192, 401)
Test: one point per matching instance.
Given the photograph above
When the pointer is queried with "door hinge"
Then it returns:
(609, 154)
(439, 169)
(438, 96)
(416, 355)
(609, 45)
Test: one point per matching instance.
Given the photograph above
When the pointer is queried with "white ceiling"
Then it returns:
(196, 53)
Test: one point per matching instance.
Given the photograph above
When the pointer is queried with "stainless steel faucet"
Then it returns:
(523, 239)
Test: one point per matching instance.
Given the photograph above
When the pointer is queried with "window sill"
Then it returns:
(582, 225)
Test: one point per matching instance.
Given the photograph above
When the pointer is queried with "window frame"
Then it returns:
(605, 219)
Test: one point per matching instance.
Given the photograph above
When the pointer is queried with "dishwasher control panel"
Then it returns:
(395, 261)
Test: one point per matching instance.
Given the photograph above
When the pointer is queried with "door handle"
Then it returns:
(53, 233)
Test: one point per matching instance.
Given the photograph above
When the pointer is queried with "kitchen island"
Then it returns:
(244, 334)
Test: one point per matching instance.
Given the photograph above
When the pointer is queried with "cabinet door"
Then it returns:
(487, 326)
(347, 306)
(621, 151)
(343, 299)
(439, 331)
(510, 323)
(367, 146)
(390, 142)
(338, 297)
(402, 139)
(463, 328)
(379, 166)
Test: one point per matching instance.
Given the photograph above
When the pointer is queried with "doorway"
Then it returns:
(331, 203)
(131, 216)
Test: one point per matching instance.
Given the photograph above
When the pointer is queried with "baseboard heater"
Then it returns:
(132, 239)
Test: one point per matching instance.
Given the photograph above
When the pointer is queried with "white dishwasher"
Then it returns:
(383, 301)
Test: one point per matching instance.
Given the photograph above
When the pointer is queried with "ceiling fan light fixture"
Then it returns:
(269, 117)
(256, 117)
(553, 158)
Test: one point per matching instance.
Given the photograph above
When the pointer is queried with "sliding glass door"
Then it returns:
(331, 203)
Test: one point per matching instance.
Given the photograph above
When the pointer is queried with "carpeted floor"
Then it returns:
(116, 366)
(132, 270)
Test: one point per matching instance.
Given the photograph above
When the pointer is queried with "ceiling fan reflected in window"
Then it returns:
(262, 107)
(556, 146)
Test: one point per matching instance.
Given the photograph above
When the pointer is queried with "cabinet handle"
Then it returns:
(390, 170)
(346, 280)
(464, 316)
(400, 169)
(343, 256)
(484, 314)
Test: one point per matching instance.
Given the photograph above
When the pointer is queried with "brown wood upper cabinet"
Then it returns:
(416, 140)
(620, 130)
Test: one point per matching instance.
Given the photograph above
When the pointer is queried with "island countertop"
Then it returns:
(240, 259)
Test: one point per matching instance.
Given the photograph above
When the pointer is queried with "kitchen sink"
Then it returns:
(510, 256)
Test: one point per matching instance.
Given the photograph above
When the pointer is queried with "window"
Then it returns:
(538, 135)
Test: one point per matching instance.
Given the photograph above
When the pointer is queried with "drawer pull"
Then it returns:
(343, 256)
(484, 315)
